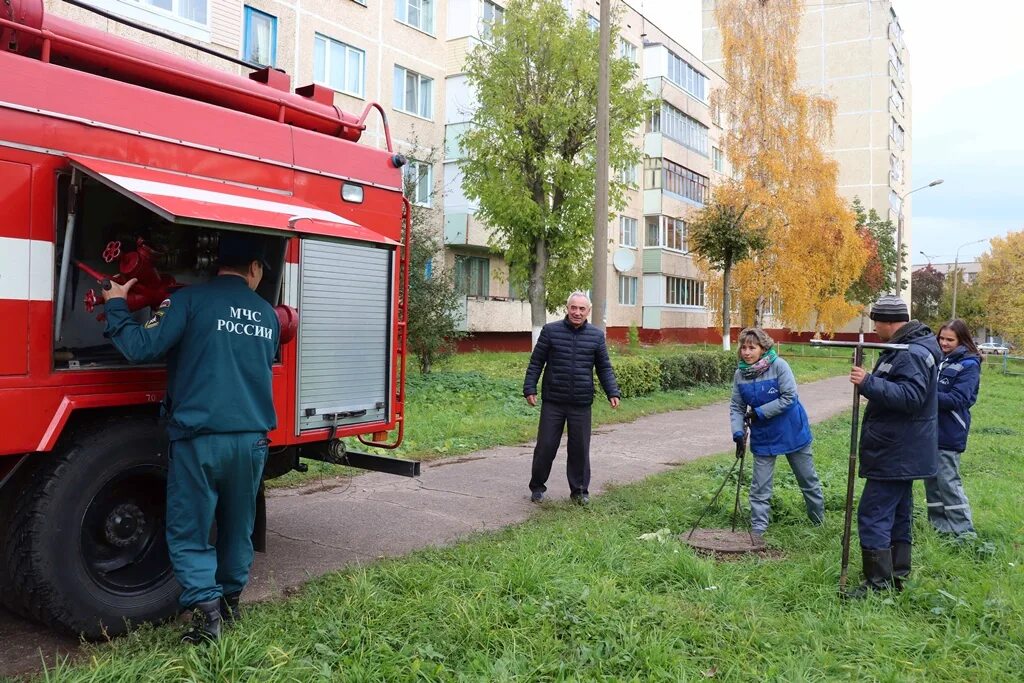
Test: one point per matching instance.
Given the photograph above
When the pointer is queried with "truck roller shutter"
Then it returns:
(344, 334)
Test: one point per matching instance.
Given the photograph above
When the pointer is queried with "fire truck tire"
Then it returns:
(85, 549)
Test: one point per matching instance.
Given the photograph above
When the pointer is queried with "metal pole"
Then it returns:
(956, 279)
(851, 473)
(599, 289)
(899, 250)
(65, 259)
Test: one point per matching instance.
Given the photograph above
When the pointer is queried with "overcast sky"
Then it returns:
(967, 75)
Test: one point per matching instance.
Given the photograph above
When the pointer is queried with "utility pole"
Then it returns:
(899, 234)
(599, 289)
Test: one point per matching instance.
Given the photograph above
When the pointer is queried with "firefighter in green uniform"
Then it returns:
(220, 338)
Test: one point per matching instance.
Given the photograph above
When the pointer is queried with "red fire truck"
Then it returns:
(116, 161)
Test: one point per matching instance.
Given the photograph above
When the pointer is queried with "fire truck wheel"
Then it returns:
(86, 549)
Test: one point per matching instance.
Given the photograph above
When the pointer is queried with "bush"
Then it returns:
(692, 368)
(637, 376)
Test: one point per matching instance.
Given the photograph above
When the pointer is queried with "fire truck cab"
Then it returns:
(120, 161)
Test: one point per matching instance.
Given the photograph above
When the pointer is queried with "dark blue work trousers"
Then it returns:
(883, 517)
(213, 477)
(553, 419)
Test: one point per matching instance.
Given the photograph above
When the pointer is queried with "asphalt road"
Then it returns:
(329, 525)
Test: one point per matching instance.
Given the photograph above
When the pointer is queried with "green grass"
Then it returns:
(475, 401)
(574, 595)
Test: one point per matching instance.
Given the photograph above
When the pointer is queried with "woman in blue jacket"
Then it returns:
(959, 376)
(764, 391)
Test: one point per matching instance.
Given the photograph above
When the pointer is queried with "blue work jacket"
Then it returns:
(781, 426)
(959, 378)
(220, 338)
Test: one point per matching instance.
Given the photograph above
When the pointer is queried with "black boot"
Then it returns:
(900, 563)
(229, 609)
(877, 573)
(205, 626)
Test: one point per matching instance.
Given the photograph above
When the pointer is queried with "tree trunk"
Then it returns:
(537, 290)
(726, 304)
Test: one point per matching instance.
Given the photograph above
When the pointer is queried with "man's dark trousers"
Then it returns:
(553, 418)
(213, 477)
(883, 517)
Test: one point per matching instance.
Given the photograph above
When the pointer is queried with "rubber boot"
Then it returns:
(229, 609)
(900, 563)
(877, 566)
(206, 621)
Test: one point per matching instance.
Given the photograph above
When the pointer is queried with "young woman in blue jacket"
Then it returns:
(764, 392)
(959, 377)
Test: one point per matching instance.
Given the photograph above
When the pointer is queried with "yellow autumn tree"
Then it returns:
(774, 143)
(1002, 285)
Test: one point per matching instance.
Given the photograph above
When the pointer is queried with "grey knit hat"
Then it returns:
(890, 309)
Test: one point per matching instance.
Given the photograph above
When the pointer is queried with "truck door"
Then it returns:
(22, 262)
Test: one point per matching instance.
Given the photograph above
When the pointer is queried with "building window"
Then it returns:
(472, 275)
(339, 66)
(491, 15)
(192, 10)
(627, 50)
(681, 291)
(895, 202)
(413, 92)
(895, 97)
(627, 231)
(718, 159)
(662, 174)
(895, 168)
(686, 77)
(627, 290)
(419, 182)
(628, 175)
(593, 23)
(259, 45)
(676, 125)
(896, 133)
(417, 13)
(666, 232)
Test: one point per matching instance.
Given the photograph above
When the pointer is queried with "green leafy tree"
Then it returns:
(879, 271)
(1002, 282)
(970, 304)
(926, 285)
(435, 306)
(529, 156)
(722, 237)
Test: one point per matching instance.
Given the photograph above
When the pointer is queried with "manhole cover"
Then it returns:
(723, 542)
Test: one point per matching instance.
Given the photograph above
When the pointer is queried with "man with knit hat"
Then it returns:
(898, 442)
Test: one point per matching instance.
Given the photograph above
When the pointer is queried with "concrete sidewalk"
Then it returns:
(325, 527)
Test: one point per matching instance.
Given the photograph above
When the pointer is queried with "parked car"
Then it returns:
(992, 347)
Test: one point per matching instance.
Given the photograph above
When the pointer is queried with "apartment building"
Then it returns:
(652, 281)
(387, 51)
(853, 52)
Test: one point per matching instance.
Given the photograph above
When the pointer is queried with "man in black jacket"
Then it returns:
(898, 443)
(568, 351)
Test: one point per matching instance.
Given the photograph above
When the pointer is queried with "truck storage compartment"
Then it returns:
(345, 333)
(113, 233)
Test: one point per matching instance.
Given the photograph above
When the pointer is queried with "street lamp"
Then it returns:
(956, 270)
(927, 256)
(899, 234)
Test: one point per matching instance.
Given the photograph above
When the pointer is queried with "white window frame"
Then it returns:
(627, 50)
(683, 74)
(628, 286)
(424, 10)
(684, 291)
(672, 234)
(629, 228)
(717, 160)
(425, 108)
(497, 17)
(159, 17)
(422, 185)
(629, 176)
(681, 127)
(349, 52)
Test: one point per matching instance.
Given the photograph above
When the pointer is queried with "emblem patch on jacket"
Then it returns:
(155, 320)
